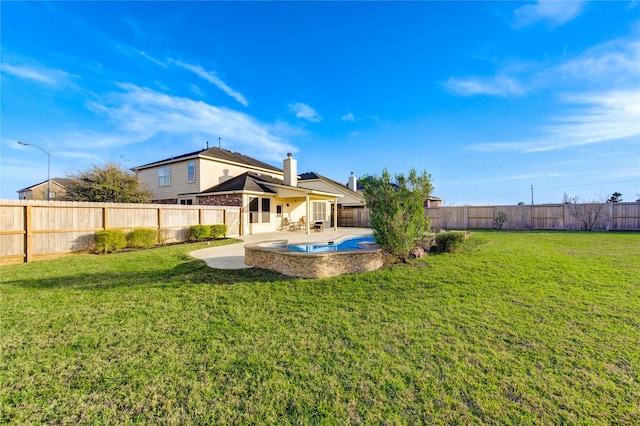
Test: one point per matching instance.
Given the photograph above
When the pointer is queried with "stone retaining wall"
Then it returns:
(275, 256)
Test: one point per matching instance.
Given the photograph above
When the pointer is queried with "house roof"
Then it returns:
(217, 154)
(64, 182)
(247, 181)
(254, 182)
(318, 176)
(309, 176)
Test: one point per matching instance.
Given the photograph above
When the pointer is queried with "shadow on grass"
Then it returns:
(192, 271)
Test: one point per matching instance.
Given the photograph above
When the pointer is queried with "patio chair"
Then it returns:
(318, 226)
(300, 224)
(285, 224)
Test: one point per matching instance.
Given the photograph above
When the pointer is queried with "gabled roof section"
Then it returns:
(63, 182)
(223, 155)
(318, 176)
(248, 181)
(309, 176)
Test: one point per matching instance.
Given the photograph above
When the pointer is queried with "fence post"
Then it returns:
(200, 216)
(466, 217)
(28, 234)
(105, 217)
(159, 218)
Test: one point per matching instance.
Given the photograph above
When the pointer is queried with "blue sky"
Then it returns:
(488, 97)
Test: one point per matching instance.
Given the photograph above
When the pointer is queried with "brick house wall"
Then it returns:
(229, 200)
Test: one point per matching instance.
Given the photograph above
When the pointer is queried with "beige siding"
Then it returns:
(260, 227)
(40, 192)
(348, 197)
(178, 183)
(213, 173)
(208, 174)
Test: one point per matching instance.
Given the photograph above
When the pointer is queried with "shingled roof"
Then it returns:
(219, 154)
(247, 181)
(64, 182)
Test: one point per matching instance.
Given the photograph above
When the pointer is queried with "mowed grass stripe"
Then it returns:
(516, 328)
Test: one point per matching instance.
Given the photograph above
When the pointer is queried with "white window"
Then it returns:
(319, 211)
(266, 210)
(164, 176)
(191, 171)
(259, 210)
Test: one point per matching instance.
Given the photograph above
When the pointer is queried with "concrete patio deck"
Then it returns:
(232, 256)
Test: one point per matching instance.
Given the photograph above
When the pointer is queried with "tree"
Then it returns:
(111, 183)
(445, 215)
(397, 210)
(587, 214)
(615, 197)
(499, 220)
(568, 200)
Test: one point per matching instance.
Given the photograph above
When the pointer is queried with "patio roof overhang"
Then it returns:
(285, 191)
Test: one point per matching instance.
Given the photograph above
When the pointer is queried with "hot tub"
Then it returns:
(316, 260)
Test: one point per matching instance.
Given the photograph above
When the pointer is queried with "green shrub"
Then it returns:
(449, 241)
(499, 220)
(142, 237)
(199, 232)
(110, 240)
(218, 231)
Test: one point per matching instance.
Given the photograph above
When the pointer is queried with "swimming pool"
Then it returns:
(346, 244)
(352, 254)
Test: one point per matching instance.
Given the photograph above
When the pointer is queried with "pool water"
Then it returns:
(349, 244)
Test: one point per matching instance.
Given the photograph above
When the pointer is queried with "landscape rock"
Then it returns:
(417, 252)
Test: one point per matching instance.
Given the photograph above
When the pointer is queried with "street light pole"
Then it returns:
(48, 165)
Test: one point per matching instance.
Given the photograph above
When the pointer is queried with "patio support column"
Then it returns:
(308, 215)
(335, 214)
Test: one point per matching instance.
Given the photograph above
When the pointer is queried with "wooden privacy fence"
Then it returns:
(32, 230)
(614, 217)
(354, 217)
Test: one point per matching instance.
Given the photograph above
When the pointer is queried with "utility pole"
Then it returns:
(531, 194)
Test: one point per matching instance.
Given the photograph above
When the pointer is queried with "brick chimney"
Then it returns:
(353, 182)
(290, 170)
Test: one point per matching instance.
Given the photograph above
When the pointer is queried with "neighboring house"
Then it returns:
(57, 190)
(351, 197)
(433, 202)
(270, 197)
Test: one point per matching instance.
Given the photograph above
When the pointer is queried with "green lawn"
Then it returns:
(517, 328)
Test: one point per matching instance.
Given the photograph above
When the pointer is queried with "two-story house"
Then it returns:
(57, 190)
(270, 197)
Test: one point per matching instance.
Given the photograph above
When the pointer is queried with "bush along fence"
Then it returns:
(33, 230)
(561, 217)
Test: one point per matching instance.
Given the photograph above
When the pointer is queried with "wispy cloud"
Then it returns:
(493, 86)
(597, 92)
(150, 58)
(39, 74)
(140, 114)
(349, 117)
(304, 111)
(211, 77)
(609, 64)
(554, 13)
(594, 118)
